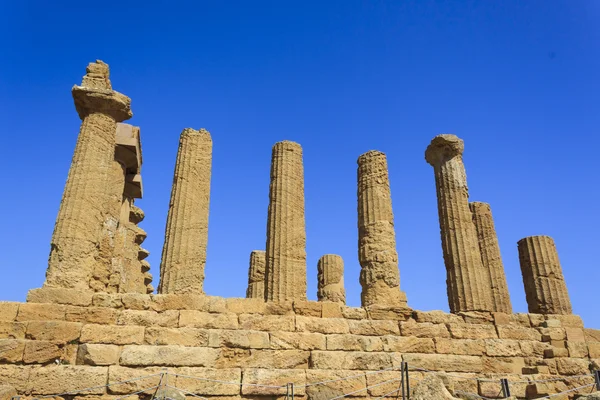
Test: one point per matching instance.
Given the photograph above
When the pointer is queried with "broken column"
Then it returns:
(256, 276)
(379, 275)
(467, 280)
(186, 234)
(75, 244)
(285, 277)
(331, 279)
(490, 256)
(545, 288)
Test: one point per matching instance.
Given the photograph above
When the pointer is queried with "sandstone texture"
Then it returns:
(331, 279)
(256, 275)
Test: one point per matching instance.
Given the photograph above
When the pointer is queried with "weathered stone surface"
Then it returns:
(7, 392)
(162, 302)
(382, 383)
(55, 379)
(322, 325)
(518, 332)
(239, 339)
(354, 343)
(444, 362)
(148, 377)
(285, 273)
(297, 340)
(199, 319)
(467, 347)
(11, 350)
(42, 352)
(98, 354)
(60, 296)
(58, 331)
(267, 322)
(490, 255)
(331, 310)
(186, 234)
(149, 318)
(92, 315)
(8, 311)
(408, 344)
(379, 276)
(354, 313)
(214, 387)
(112, 334)
(502, 348)
(511, 319)
(373, 328)
(436, 317)
(336, 384)
(12, 330)
(256, 275)
(572, 366)
(425, 329)
(566, 320)
(467, 279)
(16, 376)
(273, 379)
(168, 356)
(472, 331)
(545, 287)
(308, 308)
(330, 278)
(178, 336)
(350, 360)
(136, 301)
(41, 312)
(250, 358)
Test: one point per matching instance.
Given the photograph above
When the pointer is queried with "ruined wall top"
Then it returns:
(444, 147)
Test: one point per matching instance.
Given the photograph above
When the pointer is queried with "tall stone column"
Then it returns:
(285, 277)
(379, 275)
(331, 279)
(490, 255)
(256, 275)
(186, 234)
(545, 288)
(74, 253)
(467, 280)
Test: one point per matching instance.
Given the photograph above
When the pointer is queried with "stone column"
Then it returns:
(331, 279)
(490, 256)
(467, 280)
(74, 253)
(545, 287)
(256, 275)
(285, 277)
(379, 275)
(186, 234)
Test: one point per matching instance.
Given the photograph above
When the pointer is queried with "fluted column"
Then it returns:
(545, 287)
(379, 275)
(256, 275)
(490, 255)
(285, 277)
(186, 234)
(331, 279)
(74, 254)
(467, 281)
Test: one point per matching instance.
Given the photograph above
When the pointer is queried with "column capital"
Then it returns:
(443, 148)
(104, 101)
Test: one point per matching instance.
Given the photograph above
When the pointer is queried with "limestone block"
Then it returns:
(162, 302)
(566, 320)
(11, 350)
(354, 312)
(57, 331)
(271, 377)
(281, 308)
(518, 332)
(502, 348)
(437, 317)
(511, 319)
(178, 336)
(556, 352)
(550, 334)
(332, 310)
(308, 308)
(168, 318)
(383, 383)
(575, 334)
(42, 352)
(321, 325)
(92, 315)
(572, 366)
(354, 343)
(340, 386)
(537, 320)
(98, 354)
(216, 304)
(445, 362)
(202, 387)
(503, 365)
(267, 322)
(199, 319)
(246, 306)
(239, 339)
(466, 347)
(41, 312)
(55, 379)
(170, 356)
(7, 392)
(350, 360)
(330, 279)
(373, 328)
(250, 358)
(472, 331)
(136, 301)
(60, 296)
(149, 377)
(112, 334)
(577, 349)
(16, 376)
(256, 275)
(12, 330)
(379, 312)
(592, 335)
(297, 340)
(403, 344)
(477, 317)
(424, 329)
(533, 348)
(112, 300)
(594, 349)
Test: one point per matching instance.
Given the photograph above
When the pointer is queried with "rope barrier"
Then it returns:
(138, 392)
(349, 377)
(567, 391)
(225, 382)
(366, 388)
(186, 392)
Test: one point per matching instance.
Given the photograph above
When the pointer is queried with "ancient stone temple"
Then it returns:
(96, 330)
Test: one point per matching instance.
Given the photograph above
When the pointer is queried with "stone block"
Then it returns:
(552, 334)
(594, 349)
(8, 311)
(169, 356)
(199, 319)
(11, 350)
(111, 300)
(391, 313)
(16, 376)
(55, 379)
(7, 392)
(518, 333)
(536, 320)
(58, 331)
(575, 334)
(336, 383)
(98, 354)
(350, 360)
(503, 348)
(592, 335)
(373, 327)
(308, 308)
(354, 312)
(403, 344)
(531, 348)
(136, 301)
(332, 310)
(178, 336)
(41, 312)
(444, 362)
(382, 383)
(321, 325)
(577, 349)
(472, 331)
(216, 304)
(171, 301)
(12, 330)
(567, 320)
(92, 315)
(42, 352)
(572, 366)
(271, 382)
(280, 308)
(503, 365)
(348, 342)
(511, 319)
(149, 318)
(424, 329)
(112, 334)
(273, 323)
(60, 296)
(246, 306)
(297, 340)
(250, 358)
(437, 317)
(239, 338)
(210, 382)
(149, 377)
(556, 352)
(477, 317)
(465, 347)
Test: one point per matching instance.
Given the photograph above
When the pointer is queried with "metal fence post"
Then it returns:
(505, 387)
(292, 390)
(402, 380)
(407, 381)
(597, 378)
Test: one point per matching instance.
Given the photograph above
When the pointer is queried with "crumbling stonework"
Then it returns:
(331, 279)
(74, 254)
(256, 275)
(285, 276)
(490, 256)
(186, 234)
(545, 287)
(467, 280)
(379, 275)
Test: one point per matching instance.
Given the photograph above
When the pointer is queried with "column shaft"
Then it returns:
(256, 275)
(331, 279)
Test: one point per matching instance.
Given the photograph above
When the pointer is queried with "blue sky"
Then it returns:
(518, 81)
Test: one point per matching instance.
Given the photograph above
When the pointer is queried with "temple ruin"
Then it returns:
(97, 331)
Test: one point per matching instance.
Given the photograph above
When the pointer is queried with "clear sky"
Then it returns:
(518, 81)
